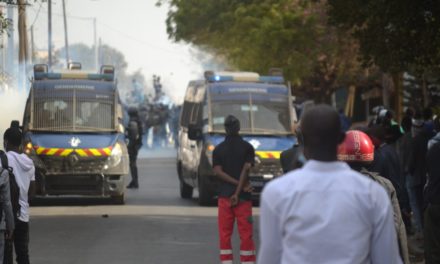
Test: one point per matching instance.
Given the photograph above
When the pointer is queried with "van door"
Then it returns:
(184, 146)
(195, 147)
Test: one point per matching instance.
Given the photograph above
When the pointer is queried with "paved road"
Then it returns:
(155, 226)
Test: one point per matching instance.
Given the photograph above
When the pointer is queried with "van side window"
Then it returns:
(197, 114)
(186, 114)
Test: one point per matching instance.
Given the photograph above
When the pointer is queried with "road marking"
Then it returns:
(128, 210)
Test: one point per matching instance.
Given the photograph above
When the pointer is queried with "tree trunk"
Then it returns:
(398, 95)
(387, 87)
(425, 92)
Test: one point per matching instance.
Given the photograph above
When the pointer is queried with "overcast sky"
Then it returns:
(135, 27)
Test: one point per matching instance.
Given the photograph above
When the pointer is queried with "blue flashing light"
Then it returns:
(262, 79)
(220, 78)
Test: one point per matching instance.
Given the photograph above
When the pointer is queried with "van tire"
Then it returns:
(206, 196)
(186, 191)
(118, 199)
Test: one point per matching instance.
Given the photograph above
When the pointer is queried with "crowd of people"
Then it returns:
(366, 195)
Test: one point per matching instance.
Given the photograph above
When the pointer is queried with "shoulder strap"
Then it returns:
(4, 160)
(372, 175)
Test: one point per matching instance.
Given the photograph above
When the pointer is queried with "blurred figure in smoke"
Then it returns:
(160, 129)
(174, 123)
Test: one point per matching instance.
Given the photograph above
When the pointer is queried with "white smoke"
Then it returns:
(12, 104)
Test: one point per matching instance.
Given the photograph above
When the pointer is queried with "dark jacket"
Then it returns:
(7, 221)
(404, 148)
(432, 192)
(232, 154)
(417, 161)
(291, 159)
(135, 143)
(398, 221)
(387, 164)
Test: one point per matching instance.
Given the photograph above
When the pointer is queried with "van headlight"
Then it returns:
(115, 156)
(209, 151)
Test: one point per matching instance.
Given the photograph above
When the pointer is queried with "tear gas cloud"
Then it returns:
(12, 104)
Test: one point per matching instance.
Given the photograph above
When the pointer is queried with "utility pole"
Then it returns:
(100, 52)
(66, 41)
(32, 46)
(49, 30)
(23, 55)
(96, 44)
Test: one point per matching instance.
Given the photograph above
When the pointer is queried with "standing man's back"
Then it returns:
(326, 212)
(328, 218)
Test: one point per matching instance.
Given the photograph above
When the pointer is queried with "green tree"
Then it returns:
(259, 34)
(397, 35)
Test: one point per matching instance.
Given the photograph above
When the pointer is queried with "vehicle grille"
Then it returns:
(73, 184)
(63, 165)
(267, 167)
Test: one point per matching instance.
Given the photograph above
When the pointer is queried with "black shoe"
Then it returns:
(133, 185)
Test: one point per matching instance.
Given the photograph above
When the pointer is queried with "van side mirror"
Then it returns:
(195, 132)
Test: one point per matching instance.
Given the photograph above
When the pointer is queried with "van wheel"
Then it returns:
(186, 191)
(206, 197)
(118, 199)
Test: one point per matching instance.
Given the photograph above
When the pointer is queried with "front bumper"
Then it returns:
(80, 184)
(263, 172)
(89, 176)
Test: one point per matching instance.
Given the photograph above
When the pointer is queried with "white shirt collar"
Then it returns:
(325, 166)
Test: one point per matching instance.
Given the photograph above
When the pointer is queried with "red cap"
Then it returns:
(357, 147)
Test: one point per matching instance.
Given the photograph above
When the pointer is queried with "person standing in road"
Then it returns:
(325, 212)
(24, 171)
(432, 197)
(232, 160)
(134, 135)
(6, 214)
(358, 151)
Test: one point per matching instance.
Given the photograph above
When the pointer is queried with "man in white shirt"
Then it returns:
(24, 171)
(326, 212)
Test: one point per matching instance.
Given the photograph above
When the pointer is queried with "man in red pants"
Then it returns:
(232, 160)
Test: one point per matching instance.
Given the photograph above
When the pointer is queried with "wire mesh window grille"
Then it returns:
(73, 110)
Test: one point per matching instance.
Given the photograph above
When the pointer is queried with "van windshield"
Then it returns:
(258, 113)
(72, 110)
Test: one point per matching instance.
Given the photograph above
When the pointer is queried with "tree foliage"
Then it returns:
(6, 23)
(259, 34)
(397, 35)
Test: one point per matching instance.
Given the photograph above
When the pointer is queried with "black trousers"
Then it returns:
(132, 154)
(432, 234)
(20, 242)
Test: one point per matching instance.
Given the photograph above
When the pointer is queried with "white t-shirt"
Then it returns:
(326, 213)
(24, 172)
